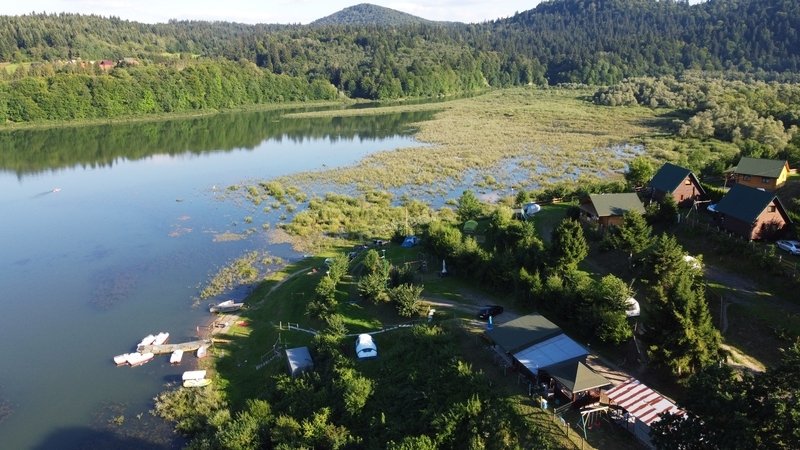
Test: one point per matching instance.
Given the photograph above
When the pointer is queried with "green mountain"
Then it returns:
(369, 14)
(368, 51)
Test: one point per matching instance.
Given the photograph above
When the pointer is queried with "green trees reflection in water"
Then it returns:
(32, 151)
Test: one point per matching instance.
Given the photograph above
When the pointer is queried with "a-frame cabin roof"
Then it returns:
(670, 176)
(746, 203)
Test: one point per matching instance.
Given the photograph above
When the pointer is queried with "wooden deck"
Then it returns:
(169, 348)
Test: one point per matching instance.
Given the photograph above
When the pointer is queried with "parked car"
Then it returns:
(489, 310)
(792, 247)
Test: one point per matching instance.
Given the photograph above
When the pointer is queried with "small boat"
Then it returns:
(197, 383)
(147, 340)
(161, 338)
(121, 359)
(137, 359)
(193, 375)
(226, 306)
(202, 352)
(176, 357)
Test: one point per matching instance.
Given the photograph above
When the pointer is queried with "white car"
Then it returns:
(792, 247)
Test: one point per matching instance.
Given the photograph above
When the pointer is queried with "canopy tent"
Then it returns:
(299, 360)
(517, 334)
(553, 351)
(633, 307)
(576, 377)
(643, 405)
(529, 209)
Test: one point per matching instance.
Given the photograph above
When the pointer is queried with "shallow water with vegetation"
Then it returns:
(110, 232)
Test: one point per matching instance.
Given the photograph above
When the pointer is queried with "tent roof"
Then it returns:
(519, 333)
(299, 359)
(770, 168)
(670, 176)
(641, 402)
(548, 353)
(746, 203)
(605, 205)
(577, 377)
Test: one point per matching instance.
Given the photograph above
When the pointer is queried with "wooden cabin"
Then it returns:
(769, 174)
(607, 209)
(678, 182)
(752, 213)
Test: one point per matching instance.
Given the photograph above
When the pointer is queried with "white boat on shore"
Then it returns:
(197, 383)
(202, 352)
(161, 338)
(193, 375)
(176, 357)
(121, 359)
(226, 306)
(137, 359)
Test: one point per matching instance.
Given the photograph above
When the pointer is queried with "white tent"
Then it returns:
(633, 307)
(365, 347)
(556, 350)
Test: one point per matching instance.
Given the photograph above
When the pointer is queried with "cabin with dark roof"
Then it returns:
(607, 209)
(752, 213)
(678, 182)
(769, 174)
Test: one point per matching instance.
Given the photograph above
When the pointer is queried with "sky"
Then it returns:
(267, 11)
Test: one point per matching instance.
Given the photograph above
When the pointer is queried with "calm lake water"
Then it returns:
(120, 251)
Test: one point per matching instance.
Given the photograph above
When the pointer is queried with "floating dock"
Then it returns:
(169, 348)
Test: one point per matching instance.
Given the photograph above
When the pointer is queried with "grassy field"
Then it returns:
(548, 134)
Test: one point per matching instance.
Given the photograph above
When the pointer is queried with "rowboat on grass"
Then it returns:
(197, 383)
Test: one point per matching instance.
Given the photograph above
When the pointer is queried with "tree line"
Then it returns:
(149, 89)
(561, 41)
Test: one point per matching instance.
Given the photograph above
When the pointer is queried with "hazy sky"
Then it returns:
(266, 11)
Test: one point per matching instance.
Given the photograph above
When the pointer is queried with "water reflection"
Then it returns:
(26, 152)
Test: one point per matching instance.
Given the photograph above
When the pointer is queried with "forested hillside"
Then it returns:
(377, 53)
(367, 14)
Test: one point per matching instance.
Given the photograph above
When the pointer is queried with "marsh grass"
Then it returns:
(548, 132)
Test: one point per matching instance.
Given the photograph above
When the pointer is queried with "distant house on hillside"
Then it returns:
(752, 213)
(106, 64)
(607, 209)
(769, 174)
(678, 182)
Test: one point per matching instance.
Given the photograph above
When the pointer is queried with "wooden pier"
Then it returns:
(169, 348)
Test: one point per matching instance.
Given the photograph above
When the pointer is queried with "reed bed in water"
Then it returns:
(549, 132)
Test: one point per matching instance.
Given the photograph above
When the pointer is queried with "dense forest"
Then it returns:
(377, 53)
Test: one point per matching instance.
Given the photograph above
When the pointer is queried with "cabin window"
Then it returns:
(771, 208)
(765, 180)
(746, 177)
(687, 181)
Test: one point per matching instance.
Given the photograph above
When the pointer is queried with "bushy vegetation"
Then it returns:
(760, 118)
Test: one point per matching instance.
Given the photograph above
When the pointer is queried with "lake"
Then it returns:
(108, 234)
